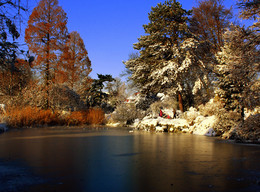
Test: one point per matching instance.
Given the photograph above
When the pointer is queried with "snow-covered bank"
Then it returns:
(194, 123)
(201, 126)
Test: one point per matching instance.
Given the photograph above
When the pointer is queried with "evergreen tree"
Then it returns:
(95, 95)
(238, 65)
(171, 59)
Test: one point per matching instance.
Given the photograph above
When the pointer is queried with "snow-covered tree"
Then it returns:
(117, 92)
(171, 59)
(238, 65)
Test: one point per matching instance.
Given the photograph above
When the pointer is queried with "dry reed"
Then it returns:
(32, 116)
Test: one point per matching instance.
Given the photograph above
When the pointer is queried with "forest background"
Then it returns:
(190, 56)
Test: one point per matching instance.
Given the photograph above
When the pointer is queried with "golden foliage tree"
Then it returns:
(75, 64)
(45, 37)
(209, 21)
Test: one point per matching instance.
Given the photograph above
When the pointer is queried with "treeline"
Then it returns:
(40, 85)
(54, 73)
(195, 55)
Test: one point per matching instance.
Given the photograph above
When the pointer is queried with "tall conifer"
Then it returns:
(171, 59)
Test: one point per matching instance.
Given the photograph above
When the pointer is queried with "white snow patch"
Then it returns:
(113, 124)
(204, 126)
(159, 129)
(178, 123)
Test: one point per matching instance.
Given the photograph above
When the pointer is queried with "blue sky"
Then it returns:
(109, 28)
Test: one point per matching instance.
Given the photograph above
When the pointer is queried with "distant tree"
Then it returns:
(46, 35)
(75, 64)
(238, 65)
(95, 95)
(171, 58)
(117, 92)
(209, 22)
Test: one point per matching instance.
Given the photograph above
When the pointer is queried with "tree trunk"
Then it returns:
(242, 113)
(180, 101)
(47, 72)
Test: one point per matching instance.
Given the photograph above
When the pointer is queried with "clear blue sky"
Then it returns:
(109, 28)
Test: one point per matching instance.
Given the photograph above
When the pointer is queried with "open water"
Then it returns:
(116, 160)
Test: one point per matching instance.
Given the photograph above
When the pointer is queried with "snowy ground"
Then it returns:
(203, 126)
(200, 125)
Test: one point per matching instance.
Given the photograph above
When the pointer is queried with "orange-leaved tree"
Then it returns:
(45, 35)
(75, 64)
(209, 22)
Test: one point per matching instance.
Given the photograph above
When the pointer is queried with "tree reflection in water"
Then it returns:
(116, 160)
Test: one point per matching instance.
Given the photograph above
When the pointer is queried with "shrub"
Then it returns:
(95, 116)
(126, 113)
(30, 116)
(226, 119)
(33, 116)
(213, 107)
(76, 118)
(91, 116)
(191, 115)
(250, 129)
(167, 103)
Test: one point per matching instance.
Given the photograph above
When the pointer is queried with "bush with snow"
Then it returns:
(204, 126)
(211, 108)
(249, 129)
(167, 104)
(126, 113)
(191, 115)
(225, 119)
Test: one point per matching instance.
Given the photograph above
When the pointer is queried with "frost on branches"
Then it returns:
(171, 58)
(238, 65)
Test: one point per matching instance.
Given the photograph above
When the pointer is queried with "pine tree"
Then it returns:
(45, 36)
(171, 59)
(95, 95)
(238, 65)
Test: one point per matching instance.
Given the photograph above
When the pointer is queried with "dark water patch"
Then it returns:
(15, 176)
(127, 154)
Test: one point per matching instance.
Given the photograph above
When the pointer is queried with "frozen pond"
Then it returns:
(117, 160)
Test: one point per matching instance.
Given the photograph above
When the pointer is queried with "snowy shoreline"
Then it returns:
(203, 126)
